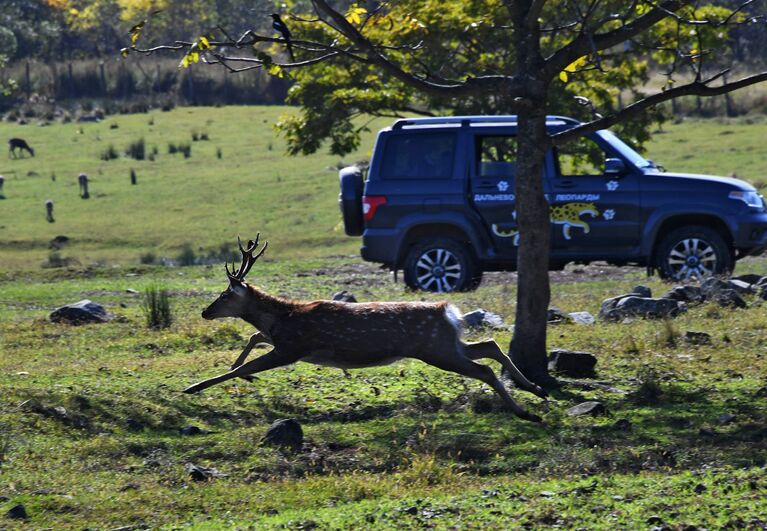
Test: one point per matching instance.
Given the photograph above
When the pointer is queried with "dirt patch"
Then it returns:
(359, 273)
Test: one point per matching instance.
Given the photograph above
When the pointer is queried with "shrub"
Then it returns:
(137, 150)
(156, 307)
(148, 258)
(172, 148)
(109, 153)
(186, 149)
(187, 257)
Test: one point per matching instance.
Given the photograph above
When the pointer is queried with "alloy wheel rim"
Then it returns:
(438, 270)
(692, 257)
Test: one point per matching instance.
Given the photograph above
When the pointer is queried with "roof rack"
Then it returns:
(465, 121)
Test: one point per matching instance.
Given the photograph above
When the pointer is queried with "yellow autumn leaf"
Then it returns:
(204, 43)
(74, 12)
(563, 76)
(354, 14)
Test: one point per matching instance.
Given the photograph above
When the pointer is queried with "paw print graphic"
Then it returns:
(503, 186)
(612, 185)
(609, 214)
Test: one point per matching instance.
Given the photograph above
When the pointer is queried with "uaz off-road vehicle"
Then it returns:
(438, 203)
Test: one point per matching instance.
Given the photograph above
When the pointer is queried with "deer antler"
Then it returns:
(248, 259)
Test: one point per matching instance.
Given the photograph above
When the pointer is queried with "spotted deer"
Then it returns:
(19, 144)
(353, 335)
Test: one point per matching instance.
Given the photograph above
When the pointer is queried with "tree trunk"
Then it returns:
(528, 346)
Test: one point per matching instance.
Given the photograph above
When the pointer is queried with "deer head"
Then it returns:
(233, 301)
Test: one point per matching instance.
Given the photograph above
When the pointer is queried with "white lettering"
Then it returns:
(577, 197)
(493, 197)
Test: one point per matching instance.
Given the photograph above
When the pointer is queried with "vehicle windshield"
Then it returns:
(625, 150)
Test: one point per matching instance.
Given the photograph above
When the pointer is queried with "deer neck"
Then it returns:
(264, 310)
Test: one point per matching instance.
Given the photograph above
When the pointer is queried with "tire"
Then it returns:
(441, 265)
(350, 200)
(693, 251)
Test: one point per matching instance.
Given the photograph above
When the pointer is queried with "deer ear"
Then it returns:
(238, 287)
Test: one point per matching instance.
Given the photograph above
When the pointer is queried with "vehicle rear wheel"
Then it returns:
(441, 265)
(693, 251)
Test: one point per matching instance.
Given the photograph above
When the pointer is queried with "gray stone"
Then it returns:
(285, 433)
(582, 318)
(688, 294)
(725, 418)
(344, 296)
(711, 286)
(608, 305)
(17, 512)
(740, 286)
(750, 278)
(82, 312)
(642, 291)
(587, 408)
(201, 473)
(650, 308)
(728, 298)
(570, 363)
(191, 430)
(557, 316)
(697, 338)
(482, 318)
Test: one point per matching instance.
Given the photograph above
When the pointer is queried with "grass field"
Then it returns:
(90, 416)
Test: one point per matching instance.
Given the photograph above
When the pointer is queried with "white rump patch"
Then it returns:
(455, 318)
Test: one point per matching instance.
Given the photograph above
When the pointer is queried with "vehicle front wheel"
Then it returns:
(441, 265)
(693, 251)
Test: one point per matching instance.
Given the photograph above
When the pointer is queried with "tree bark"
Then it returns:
(528, 345)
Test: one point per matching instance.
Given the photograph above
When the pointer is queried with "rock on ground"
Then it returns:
(286, 433)
(82, 312)
(570, 363)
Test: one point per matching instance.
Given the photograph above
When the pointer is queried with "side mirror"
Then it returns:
(615, 167)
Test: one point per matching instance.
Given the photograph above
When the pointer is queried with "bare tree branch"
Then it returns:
(696, 88)
(586, 43)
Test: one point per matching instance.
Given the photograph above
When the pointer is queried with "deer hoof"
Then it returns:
(540, 392)
(532, 417)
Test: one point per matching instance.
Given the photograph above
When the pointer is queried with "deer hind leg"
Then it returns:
(460, 364)
(270, 360)
(490, 349)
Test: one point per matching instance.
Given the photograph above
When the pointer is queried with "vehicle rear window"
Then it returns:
(423, 156)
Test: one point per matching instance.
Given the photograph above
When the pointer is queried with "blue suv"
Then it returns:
(438, 202)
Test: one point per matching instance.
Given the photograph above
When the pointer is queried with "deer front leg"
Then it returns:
(270, 360)
(254, 340)
(490, 349)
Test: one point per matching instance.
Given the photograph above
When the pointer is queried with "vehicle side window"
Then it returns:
(496, 156)
(422, 156)
(581, 157)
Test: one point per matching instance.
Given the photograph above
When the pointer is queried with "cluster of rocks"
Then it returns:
(726, 293)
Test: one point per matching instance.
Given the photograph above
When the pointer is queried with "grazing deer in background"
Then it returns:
(19, 144)
(354, 335)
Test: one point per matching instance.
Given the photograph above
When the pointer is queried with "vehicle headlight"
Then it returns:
(752, 199)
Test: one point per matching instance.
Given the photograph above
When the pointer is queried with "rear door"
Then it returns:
(493, 176)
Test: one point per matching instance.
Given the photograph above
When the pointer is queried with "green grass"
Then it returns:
(90, 415)
(202, 201)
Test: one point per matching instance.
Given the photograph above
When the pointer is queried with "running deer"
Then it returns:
(19, 144)
(353, 335)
